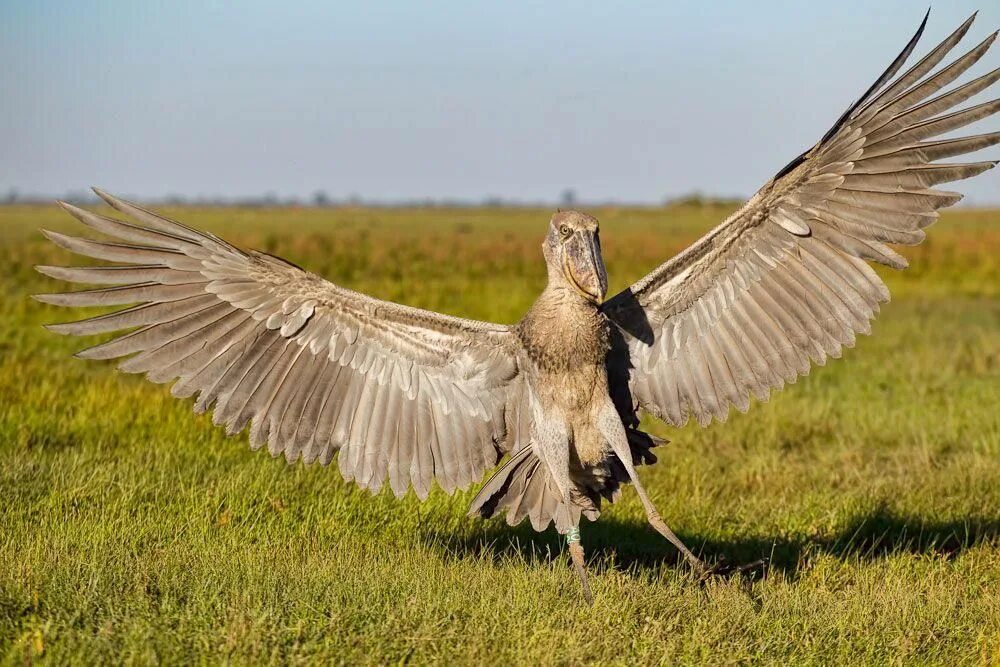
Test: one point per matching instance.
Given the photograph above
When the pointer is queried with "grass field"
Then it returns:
(132, 531)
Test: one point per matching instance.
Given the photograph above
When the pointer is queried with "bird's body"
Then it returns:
(411, 397)
(566, 340)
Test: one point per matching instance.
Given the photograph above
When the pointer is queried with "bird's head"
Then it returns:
(572, 250)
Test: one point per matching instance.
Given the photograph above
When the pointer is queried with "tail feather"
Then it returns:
(524, 488)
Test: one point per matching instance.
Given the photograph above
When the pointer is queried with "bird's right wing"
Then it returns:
(402, 393)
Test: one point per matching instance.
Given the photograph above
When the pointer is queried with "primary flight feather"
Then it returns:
(410, 397)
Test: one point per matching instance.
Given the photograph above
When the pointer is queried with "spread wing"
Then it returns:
(785, 281)
(315, 368)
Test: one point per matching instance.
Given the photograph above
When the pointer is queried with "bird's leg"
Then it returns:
(611, 427)
(703, 571)
(660, 526)
(576, 554)
(552, 447)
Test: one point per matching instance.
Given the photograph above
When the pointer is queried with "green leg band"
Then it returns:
(573, 535)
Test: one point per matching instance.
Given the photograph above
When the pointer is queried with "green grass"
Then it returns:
(131, 531)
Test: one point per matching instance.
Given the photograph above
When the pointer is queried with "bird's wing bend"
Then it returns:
(400, 392)
(785, 281)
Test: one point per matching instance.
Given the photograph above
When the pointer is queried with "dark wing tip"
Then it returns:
(877, 85)
(884, 78)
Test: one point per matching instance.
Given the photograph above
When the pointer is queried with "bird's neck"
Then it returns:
(564, 328)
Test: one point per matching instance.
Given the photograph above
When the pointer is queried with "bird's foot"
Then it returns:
(724, 569)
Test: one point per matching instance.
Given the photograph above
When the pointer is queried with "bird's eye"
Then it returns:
(565, 230)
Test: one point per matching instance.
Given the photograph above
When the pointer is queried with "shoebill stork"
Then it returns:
(414, 397)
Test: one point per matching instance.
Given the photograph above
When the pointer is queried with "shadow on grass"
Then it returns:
(632, 546)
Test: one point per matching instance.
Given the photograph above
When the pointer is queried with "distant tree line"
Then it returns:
(320, 199)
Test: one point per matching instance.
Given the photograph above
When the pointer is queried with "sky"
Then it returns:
(625, 101)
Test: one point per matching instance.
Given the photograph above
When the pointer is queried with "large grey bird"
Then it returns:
(413, 397)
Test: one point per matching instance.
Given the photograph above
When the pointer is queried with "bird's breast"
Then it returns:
(564, 340)
(566, 345)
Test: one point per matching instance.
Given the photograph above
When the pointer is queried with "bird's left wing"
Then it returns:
(402, 393)
(785, 280)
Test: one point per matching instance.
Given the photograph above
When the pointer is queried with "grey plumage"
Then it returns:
(410, 397)
(786, 270)
(248, 332)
